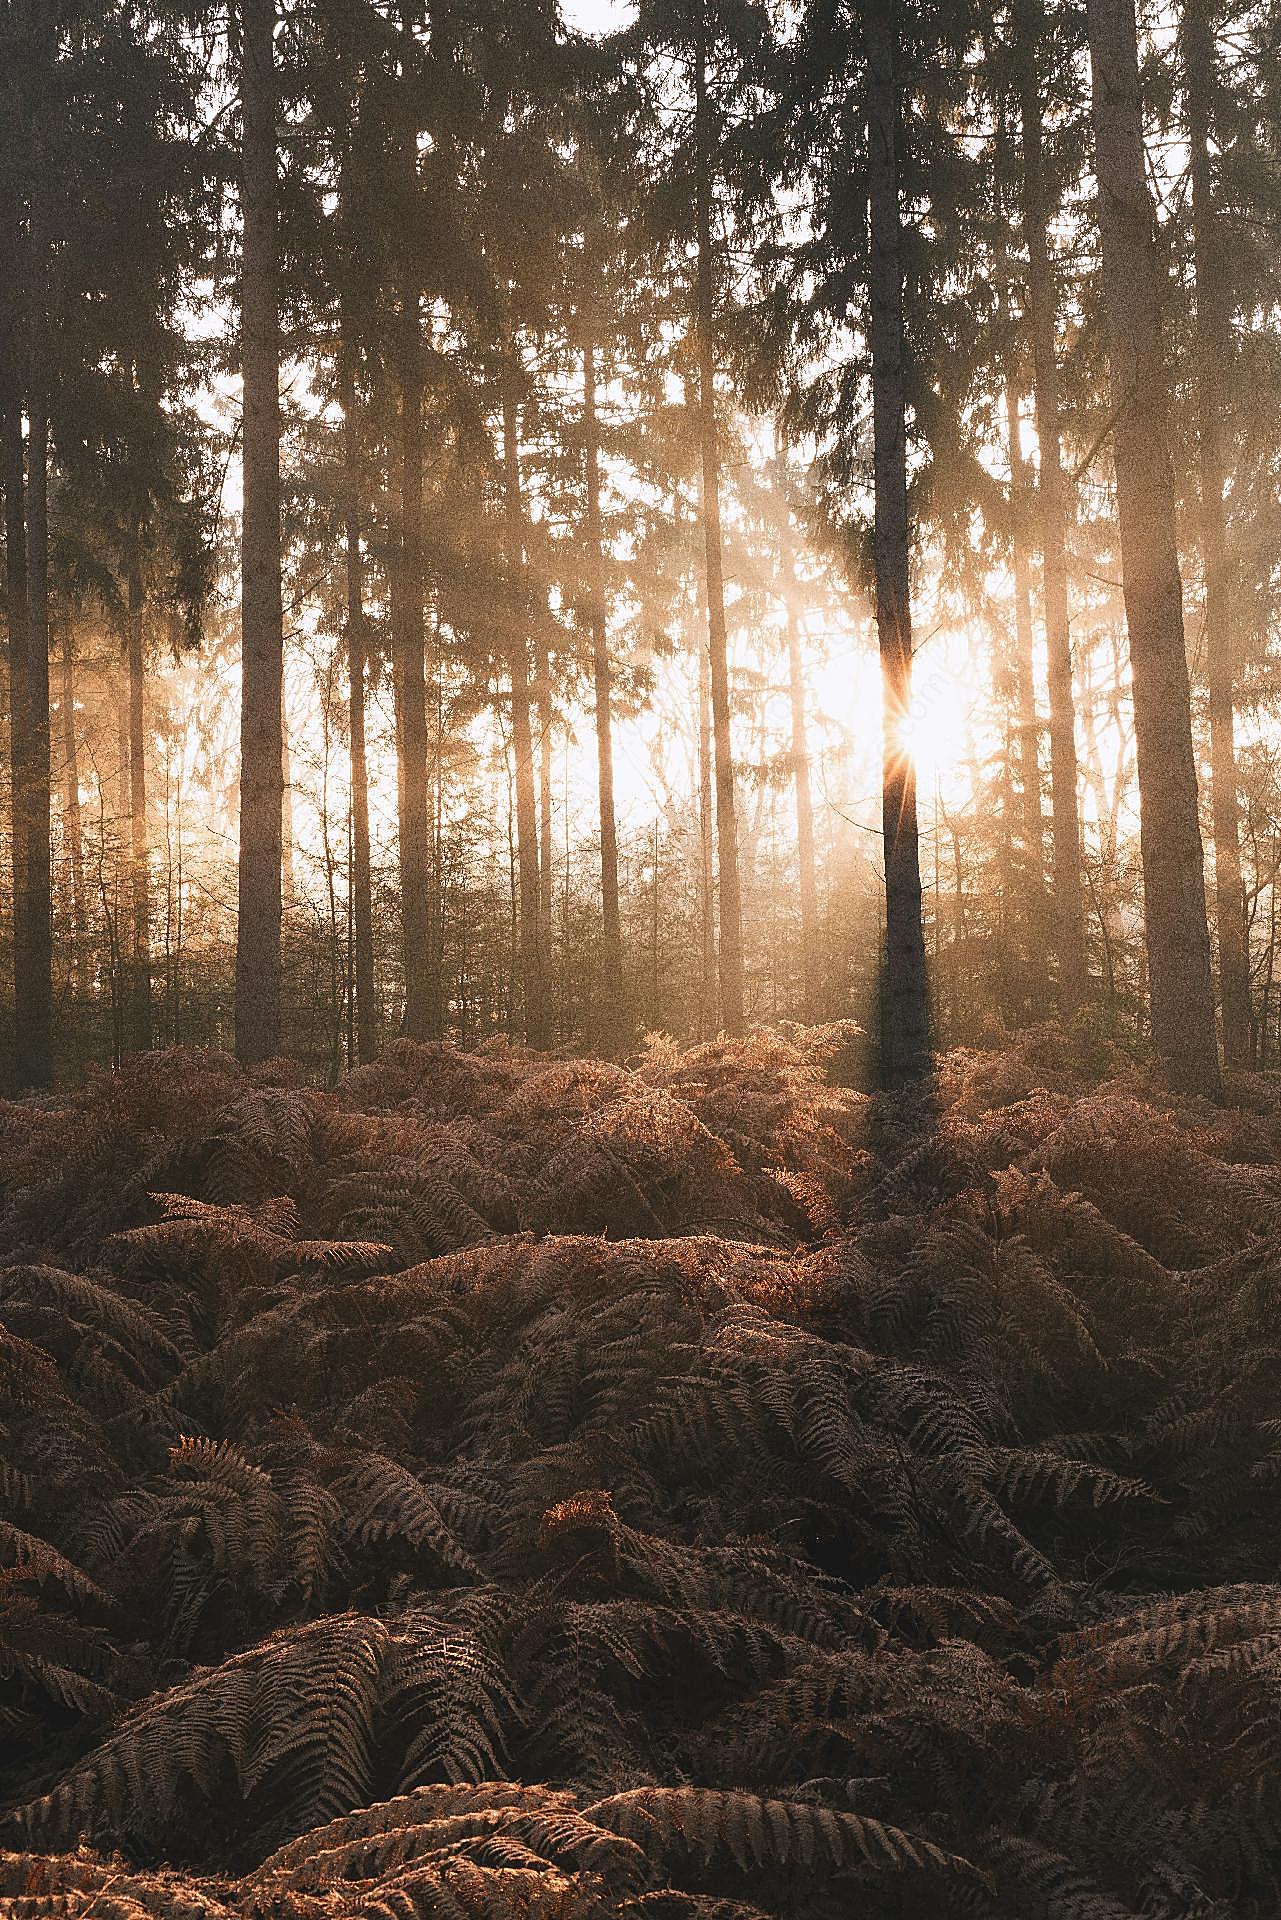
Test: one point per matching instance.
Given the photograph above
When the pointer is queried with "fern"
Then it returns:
(756, 1832)
(821, 1495)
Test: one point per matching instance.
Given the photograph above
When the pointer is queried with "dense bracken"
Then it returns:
(519, 1486)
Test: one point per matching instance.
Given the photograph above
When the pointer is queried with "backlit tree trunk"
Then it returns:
(731, 910)
(35, 1039)
(1213, 350)
(139, 993)
(537, 1029)
(905, 1035)
(1068, 903)
(612, 1002)
(33, 813)
(408, 629)
(543, 710)
(361, 882)
(72, 827)
(1028, 732)
(262, 617)
(806, 870)
(1178, 942)
(15, 518)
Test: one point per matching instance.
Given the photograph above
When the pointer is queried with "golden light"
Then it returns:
(936, 729)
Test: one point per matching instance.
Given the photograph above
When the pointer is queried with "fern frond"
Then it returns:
(757, 1833)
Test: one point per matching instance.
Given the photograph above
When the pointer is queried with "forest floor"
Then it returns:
(507, 1486)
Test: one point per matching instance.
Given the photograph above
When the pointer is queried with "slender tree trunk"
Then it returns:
(807, 871)
(1213, 353)
(537, 1029)
(543, 709)
(35, 1035)
(36, 1043)
(731, 910)
(408, 623)
(1028, 732)
(139, 994)
(15, 523)
(612, 1022)
(1178, 942)
(15, 515)
(905, 1031)
(288, 887)
(1068, 905)
(706, 867)
(73, 829)
(262, 615)
(366, 1020)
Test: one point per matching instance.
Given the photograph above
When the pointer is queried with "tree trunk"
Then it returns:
(408, 628)
(73, 830)
(138, 997)
(905, 1033)
(288, 888)
(613, 1019)
(32, 809)
(731, 910)
(15, 516)
(1028, 732)
(1178, 941)
(543, 709)
(1213, 352)
(707, 1022)
(36, 1042)
(262, 615)
(1068, 906)
(362, 908)
(800, 756)
(537, 1030)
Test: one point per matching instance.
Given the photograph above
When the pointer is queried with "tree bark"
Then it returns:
(15, 517)
(1068, 904)
(1213, 352)
(138, 997)
(537, 1026)
(408, 627)
(731, 911)
(73, 830)
(32, 793)
(262, 615)
(1178, 941)
(1028, 731)
(15, 521)
(612, 1021)
(905, 1031)
(35, 1041)
(806, 869)
(707, 1022)
(366, 1023)
(543, 709)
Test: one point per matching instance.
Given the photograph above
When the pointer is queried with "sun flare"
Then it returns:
(936, 730)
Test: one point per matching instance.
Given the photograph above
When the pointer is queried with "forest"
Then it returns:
(640, 1008)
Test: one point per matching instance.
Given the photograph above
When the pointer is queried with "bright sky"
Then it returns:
(597, 16)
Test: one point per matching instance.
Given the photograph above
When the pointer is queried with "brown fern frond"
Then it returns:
(758, 1833)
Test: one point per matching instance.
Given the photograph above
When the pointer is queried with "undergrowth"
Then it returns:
(515, 1487)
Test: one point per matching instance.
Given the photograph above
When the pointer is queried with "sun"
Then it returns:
(935, 731)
